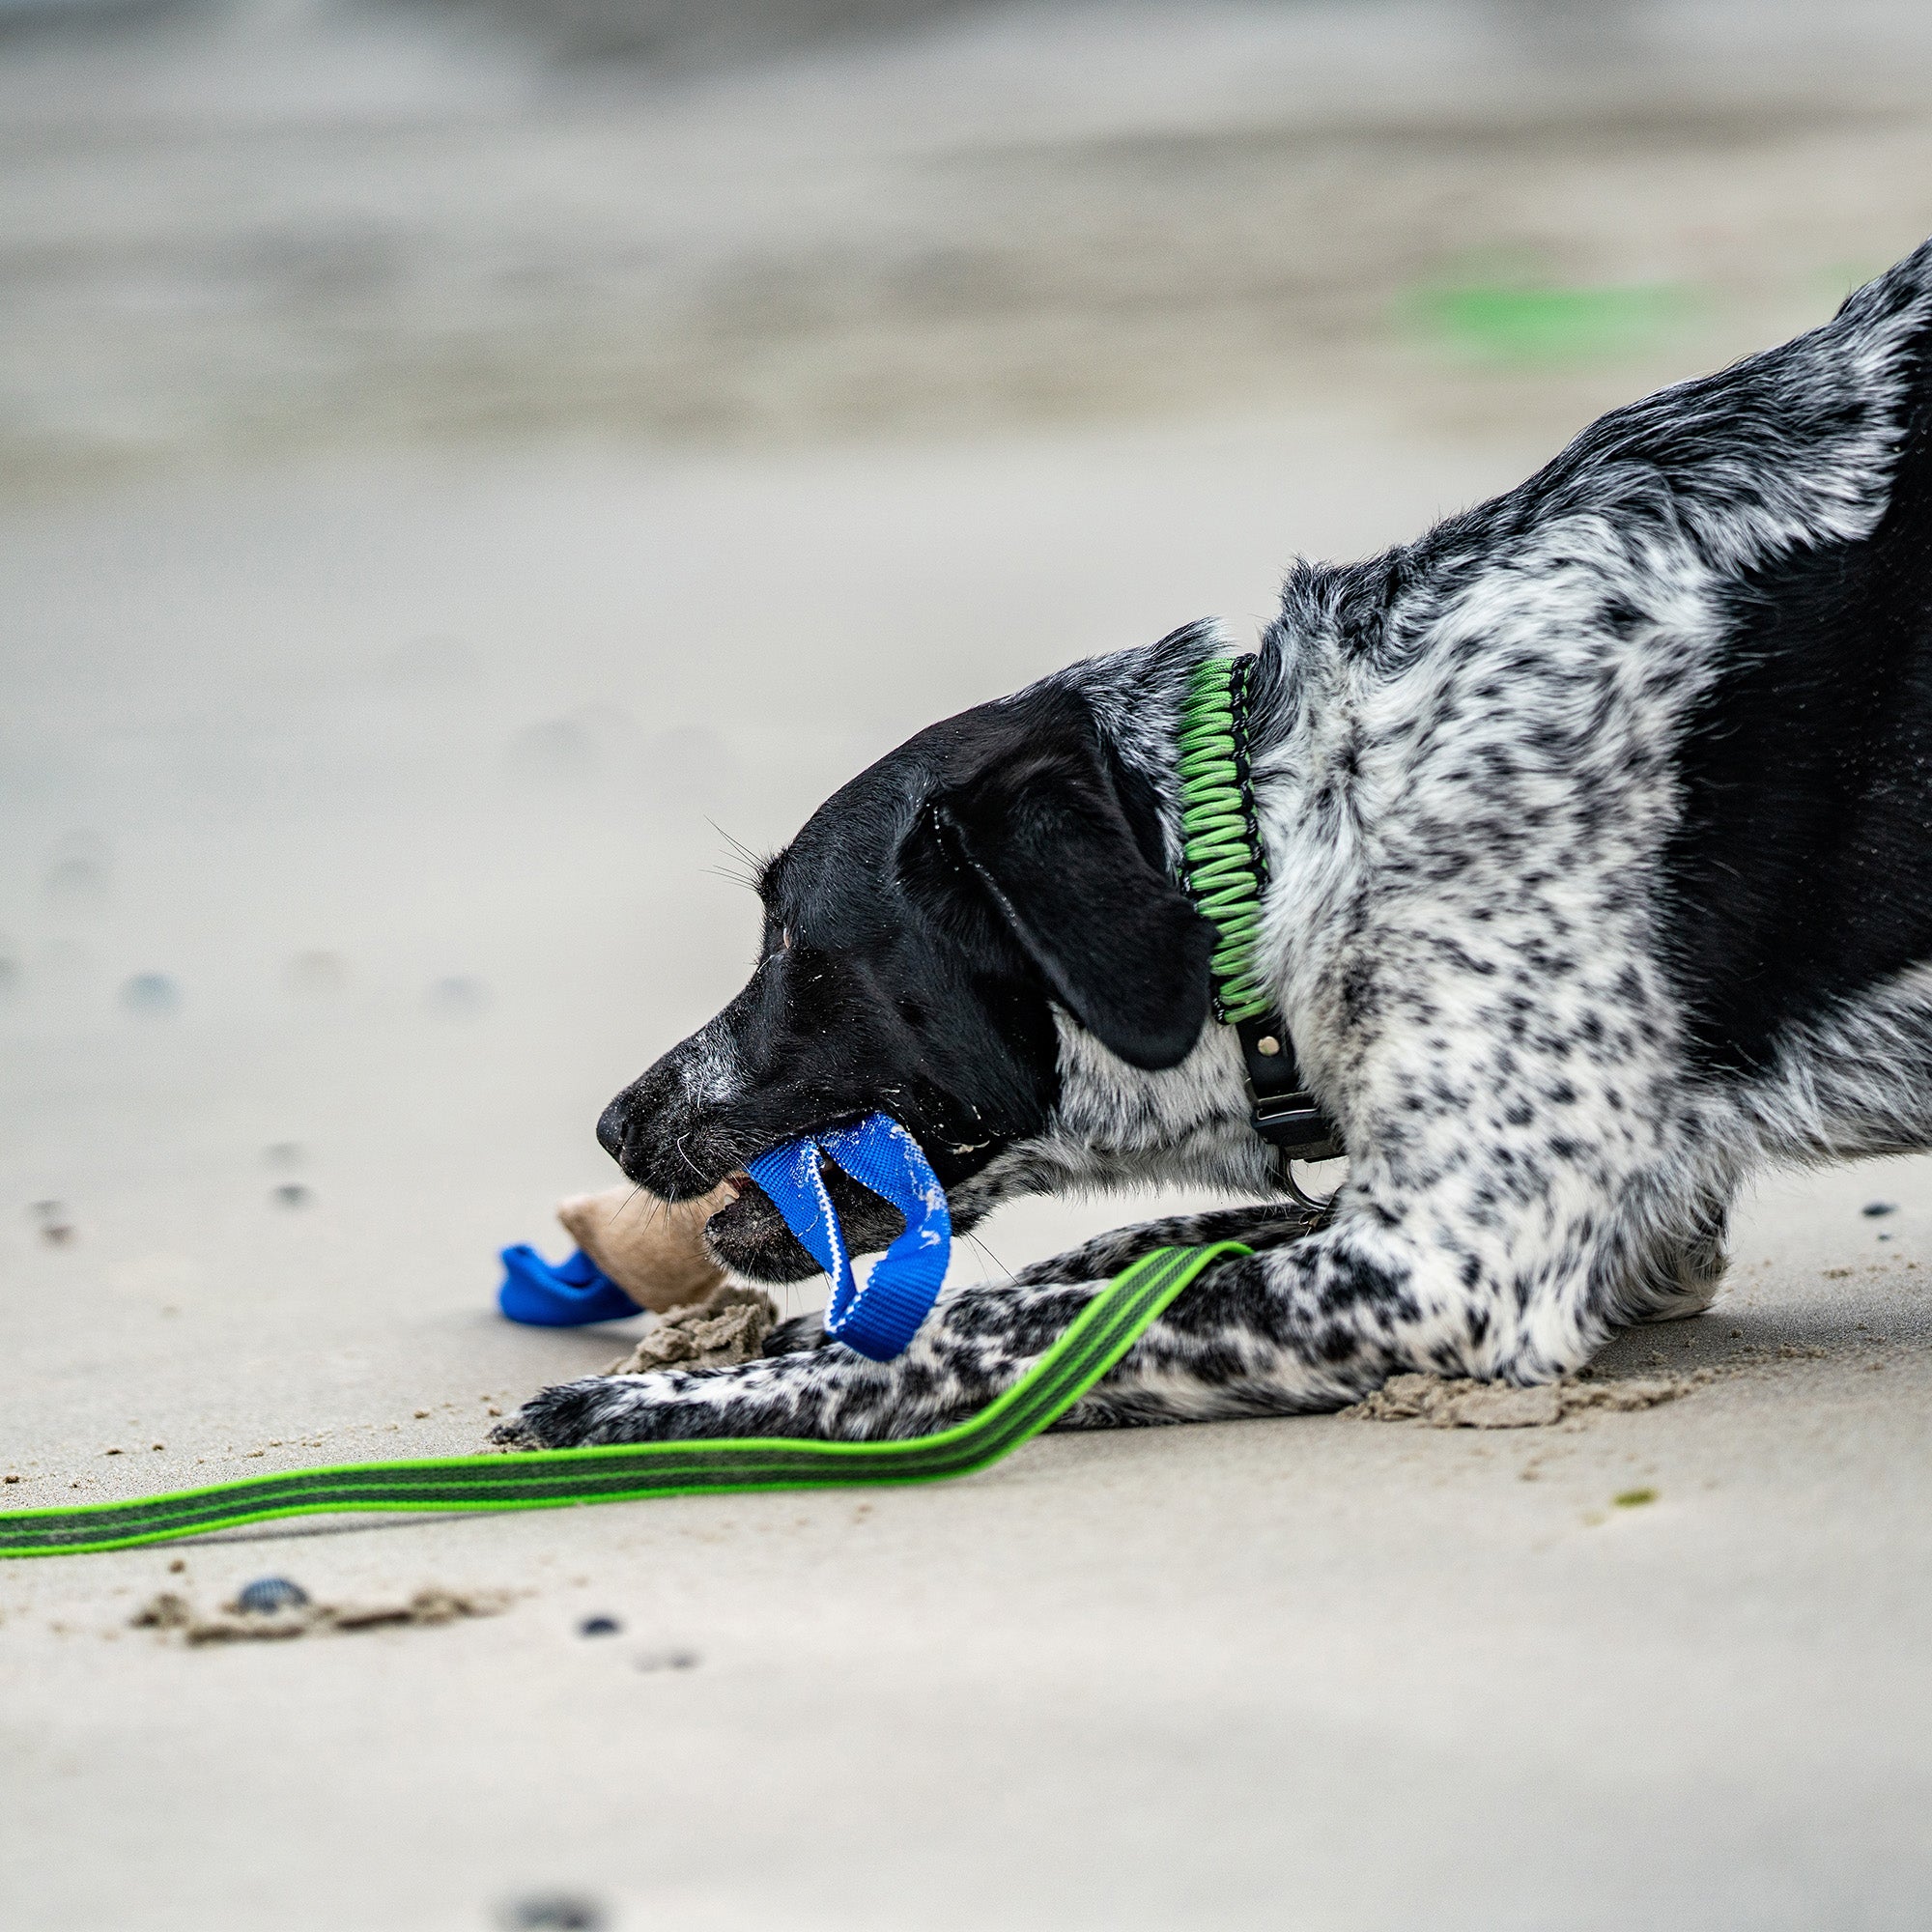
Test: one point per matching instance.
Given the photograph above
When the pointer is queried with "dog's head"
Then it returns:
(990, 901)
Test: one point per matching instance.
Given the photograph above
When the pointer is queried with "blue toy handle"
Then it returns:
(564, 1297)
(880, 1319)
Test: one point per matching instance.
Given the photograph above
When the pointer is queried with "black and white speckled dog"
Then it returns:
(1597, 824)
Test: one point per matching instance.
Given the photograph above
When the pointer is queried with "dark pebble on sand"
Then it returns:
(553, 1912)
(56, 1229)
(599, 1626)
(150, 995)
(291, 1194)
(458, 997)
(271, 1593)
(1872, 1209)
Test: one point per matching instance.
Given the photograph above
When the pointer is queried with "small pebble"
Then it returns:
(110, 1451)
(1872, 1209)
(150, 995)
(56, 1229)
(599, 1626)
(458, 997)
(1631, 1499)
(271, 1593)
(9, 1478)
(291, 1194)
(553, 1912)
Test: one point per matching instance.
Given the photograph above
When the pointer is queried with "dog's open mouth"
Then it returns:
(750, 1236)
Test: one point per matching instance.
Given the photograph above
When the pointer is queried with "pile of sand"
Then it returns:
(173, 1615)
(729, 1325)
(1468, 1405)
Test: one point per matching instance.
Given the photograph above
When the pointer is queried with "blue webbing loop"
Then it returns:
(881, 1317)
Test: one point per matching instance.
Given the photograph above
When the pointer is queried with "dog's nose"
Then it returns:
(613, 1124)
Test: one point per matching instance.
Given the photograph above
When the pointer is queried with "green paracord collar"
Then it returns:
(1223, 869)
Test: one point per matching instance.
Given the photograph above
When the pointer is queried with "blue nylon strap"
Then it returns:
(877, 1319)
(881, 1317)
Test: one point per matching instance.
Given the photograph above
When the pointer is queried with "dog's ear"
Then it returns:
(1043, 826)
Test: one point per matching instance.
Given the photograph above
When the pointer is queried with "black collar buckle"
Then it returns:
(1281, 1108)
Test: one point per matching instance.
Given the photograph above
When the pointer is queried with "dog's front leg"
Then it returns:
(1253, 1337)
(1265, 1334)
(975, 1343)
(1313, 1323)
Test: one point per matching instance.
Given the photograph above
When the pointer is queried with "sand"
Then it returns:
(1464, 1405)
(364, 796)
(729, 1325)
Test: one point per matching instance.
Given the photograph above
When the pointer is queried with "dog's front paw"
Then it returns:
(512, 1434)
(572, 1415)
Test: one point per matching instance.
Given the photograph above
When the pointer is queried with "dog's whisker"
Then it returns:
(999, 1266)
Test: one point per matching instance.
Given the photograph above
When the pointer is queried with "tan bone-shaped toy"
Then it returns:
(654, 1250)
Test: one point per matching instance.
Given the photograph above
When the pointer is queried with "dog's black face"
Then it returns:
(919, 935)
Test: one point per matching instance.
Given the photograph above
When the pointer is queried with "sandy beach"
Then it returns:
(371, 767)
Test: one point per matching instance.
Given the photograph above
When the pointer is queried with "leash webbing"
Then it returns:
(1093, 1342)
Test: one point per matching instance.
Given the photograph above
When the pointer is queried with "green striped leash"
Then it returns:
(1096, 1339)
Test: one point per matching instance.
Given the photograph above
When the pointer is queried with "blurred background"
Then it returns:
(247, 230)
(467, 467)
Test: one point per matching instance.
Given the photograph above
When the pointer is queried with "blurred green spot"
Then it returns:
(1634, 1499)
(1508, 323)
